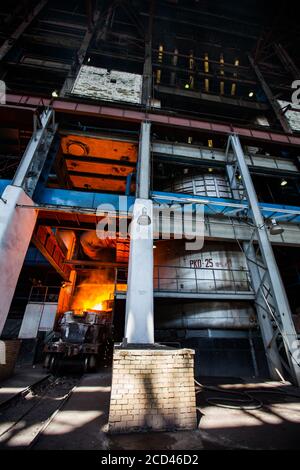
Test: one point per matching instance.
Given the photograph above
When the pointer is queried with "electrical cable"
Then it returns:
(247, 402)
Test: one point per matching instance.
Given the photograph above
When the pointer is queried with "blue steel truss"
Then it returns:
(66, 198)
(230, 207)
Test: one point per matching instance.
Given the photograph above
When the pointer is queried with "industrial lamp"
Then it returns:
(283, 182)
(274, 227)
(144, 218)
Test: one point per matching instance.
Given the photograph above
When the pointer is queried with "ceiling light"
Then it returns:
(251, 94)
(210, 170)
(283, 182)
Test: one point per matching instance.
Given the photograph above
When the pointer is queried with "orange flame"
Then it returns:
(92, 293)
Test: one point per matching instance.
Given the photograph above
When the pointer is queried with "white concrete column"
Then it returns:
(144, 167)
(16, 228)
(139, 321)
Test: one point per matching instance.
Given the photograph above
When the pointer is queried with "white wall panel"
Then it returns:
(110, 85)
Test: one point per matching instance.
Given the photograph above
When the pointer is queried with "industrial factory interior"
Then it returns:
(149, 225)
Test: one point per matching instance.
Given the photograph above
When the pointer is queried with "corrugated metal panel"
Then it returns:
(48, 317)
(37, 317)
(31, 321)
(227, 357)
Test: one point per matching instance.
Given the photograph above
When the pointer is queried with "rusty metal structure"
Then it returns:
(107, 105)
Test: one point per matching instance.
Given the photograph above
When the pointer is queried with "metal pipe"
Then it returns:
(222, 74)
(160, 59)
(206, 70)
(233, 85)
(191, 69)
(225, 315)
(174, 64)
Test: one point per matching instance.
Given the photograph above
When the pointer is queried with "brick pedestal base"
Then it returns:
(152, 389)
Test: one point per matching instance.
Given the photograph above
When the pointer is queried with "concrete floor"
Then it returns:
(22, 378)
(274, 426)
(82, 422)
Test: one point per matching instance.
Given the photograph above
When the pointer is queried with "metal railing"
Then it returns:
(193, 280)
(44, 294)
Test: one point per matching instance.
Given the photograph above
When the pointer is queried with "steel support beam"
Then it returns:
(202, 296)
(139, 321)
(201, 26)
(271, 98)
(275, 300)
(266, 327)
(147, 76)
(35, 155)
(216, 99)
(10, 42)
(231, 174)
(230, 207)
(159, 118)
(144, 162)
(287, 61)
(80, 56)
(147, 72)
(193, 154)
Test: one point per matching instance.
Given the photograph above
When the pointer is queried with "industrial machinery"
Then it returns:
(214, 184)
(214, 268)
(83, 339)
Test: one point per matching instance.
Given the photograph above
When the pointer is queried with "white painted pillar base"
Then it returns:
(139, 321)
(16, 228)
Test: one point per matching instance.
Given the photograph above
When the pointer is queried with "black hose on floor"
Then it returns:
(246, 402)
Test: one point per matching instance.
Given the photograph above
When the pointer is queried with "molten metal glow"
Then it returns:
(98, 306)
(92, 296)
(93, 292)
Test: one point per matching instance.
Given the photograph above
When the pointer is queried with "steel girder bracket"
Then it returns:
(275, 318)
(47, 243)
(36, 153)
